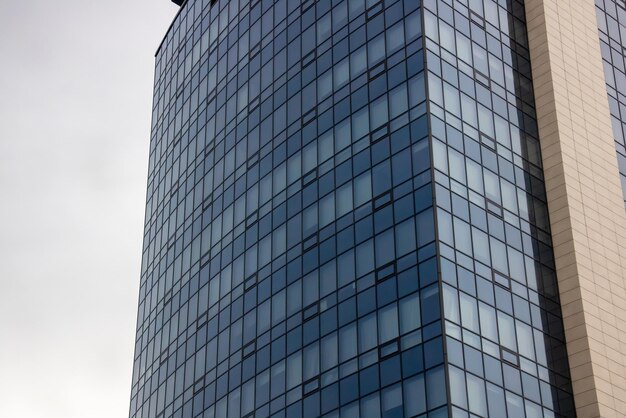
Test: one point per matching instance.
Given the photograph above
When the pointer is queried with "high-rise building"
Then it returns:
(386, 208)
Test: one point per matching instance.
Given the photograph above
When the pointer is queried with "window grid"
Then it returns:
(504, 336)
(611, 16)
(255, 209)
(292, 265)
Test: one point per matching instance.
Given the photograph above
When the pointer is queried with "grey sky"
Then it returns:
(75, 99)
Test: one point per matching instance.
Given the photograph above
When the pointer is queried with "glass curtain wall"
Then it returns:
(611, 16)
(289, 264)
(323, 182)
(505, 346)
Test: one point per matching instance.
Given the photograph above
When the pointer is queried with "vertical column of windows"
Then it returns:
(611, 16)
(504, 339)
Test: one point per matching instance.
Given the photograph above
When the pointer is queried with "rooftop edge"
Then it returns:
(180, 3)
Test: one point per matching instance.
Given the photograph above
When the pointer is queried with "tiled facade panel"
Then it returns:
(289, 265)
(504, 335)
(611, 15)
(585, 198)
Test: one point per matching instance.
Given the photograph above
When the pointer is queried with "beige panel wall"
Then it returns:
(584, 199)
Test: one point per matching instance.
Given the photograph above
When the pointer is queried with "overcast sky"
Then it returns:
(75, 97)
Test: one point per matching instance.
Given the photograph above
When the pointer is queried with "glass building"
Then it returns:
(612, 30)
(347, 214)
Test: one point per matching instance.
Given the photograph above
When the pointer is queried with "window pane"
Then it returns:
(409, 313)
(392, 402)
(370, 406)
(414, 396)
(388, 323)
(457, 387)
(311, 361)
(329, 353)
(476, 395)
(367, 333)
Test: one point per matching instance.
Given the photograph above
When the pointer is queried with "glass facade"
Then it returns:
(346, 216)
(504, 333)
(612, 30)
